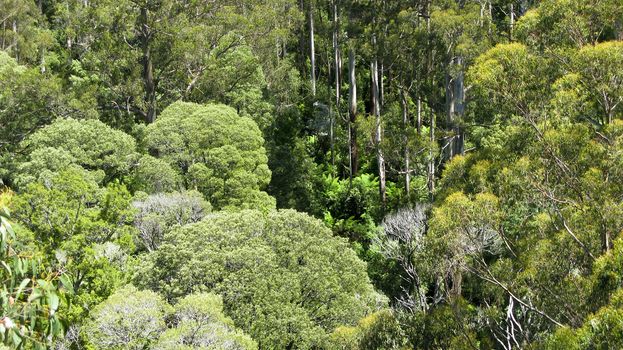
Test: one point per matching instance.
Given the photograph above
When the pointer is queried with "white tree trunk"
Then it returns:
(405, 123)
(352, 112)
(454, 100)
(376, 104)
(312, 48)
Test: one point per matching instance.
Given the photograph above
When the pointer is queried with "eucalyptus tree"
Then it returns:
(134, 319)
(88, 144)
(134, 47)
(217, 152)
(284, 278)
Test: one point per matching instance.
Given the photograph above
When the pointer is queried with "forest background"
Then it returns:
(312, 174)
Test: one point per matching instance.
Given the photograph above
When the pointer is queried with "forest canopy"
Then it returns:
(311, 174)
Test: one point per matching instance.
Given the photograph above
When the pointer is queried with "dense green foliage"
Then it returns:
(31, 293)
(218, 153)
(132, 319)
(282, 276)
(90, 144)
(312, 174)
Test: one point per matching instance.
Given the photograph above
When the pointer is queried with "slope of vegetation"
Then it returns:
(312, 174)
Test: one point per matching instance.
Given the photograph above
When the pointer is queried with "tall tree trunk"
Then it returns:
(42, 61)
(3, 34)
(69, 47)
(148, 69)
(419, 116)
(337, 55)
(456, 284)
(312, 47)
(454, 108)
(489, 29)
(376, 106)
(431, 158)
(481, 18)
(459, 108)
(512, 22)
(352, 113)
(15, 48)
(405, 124)
(331, 113)
(449, 140)
(606, 240)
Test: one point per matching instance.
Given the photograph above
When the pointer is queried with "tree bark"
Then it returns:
(431, 158)
(512, 22)
(419, 116)
(331, 112)
(15, 48)
(312, 47)
(352, 113)
(3, 34)
(606, 241)
(376, 106)
(337, 55)
(489, 29)
(405, 123)
(455, 107)
(457, 283)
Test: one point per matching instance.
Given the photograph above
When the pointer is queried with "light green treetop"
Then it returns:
(90, 144)
(283, 277)
(218, 152)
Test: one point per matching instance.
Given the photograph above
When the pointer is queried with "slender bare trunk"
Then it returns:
(431, 158)
(606, 241)
(405, 123)
(331, 114)
(512, 22)
(489, 29)
(15, 48)
(312, 48)
(481, 18)
(459, 108)
(449, 140)
(376, 105)
(454, 105)
(352, 112)
(337, 55)
(457, 282)
(419, 115)
(42, 62)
